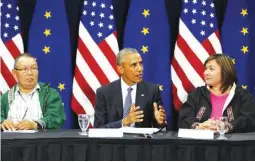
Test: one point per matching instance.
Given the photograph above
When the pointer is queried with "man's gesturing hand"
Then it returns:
(160, 114)
(135, 115)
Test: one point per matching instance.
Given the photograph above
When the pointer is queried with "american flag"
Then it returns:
(197, 39)
(11, 44)
(96, 54)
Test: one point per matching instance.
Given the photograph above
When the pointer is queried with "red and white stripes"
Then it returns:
(9, 51)
(187, 64)
(95, 66)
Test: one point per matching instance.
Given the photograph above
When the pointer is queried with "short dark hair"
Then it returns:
(22, 55)
(228, 71)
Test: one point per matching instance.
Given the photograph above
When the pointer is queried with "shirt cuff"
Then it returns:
(122, 124)
(40, 124)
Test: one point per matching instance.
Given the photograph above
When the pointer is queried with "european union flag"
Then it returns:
(49, 42)
(147, 30)
(237, 41)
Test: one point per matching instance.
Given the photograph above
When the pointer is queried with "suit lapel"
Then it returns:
(140, 95)
(140, 99)
(118, 103)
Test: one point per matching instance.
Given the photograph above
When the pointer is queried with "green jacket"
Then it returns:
(50, 102)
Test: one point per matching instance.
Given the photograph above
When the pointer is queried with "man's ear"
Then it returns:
(14, 73)
(120, 69)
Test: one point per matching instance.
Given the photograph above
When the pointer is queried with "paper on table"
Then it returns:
(196, 134)
(101, 132)
(133, 130)
(20, 131)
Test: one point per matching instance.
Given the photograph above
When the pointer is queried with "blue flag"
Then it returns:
(147, 30)
(237, 41)
(49, 42)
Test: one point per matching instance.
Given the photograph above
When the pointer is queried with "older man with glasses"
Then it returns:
(29, 104)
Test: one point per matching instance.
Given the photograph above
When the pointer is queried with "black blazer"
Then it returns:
(109, 104)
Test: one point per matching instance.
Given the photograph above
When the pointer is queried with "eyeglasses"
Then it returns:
(23, 70)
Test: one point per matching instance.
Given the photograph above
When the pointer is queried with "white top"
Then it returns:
(25, 106)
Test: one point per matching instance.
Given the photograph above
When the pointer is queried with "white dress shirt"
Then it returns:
(124, 88)
(124, 91)
(25, 106)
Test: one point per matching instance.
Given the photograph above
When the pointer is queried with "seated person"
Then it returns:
(29, 104)
(220, 97)
(129, 101)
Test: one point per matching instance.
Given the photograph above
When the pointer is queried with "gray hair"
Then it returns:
(124, 52)
(23, 55)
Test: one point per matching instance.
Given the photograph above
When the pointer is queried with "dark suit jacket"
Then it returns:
(109, 104)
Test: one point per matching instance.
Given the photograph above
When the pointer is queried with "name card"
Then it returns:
(196, 134)
(132, 130)
(20, 131)
(102, 132)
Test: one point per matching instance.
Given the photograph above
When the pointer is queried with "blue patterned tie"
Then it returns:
(128, 103)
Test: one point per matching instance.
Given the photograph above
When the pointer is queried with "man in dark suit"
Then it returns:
(129, 101)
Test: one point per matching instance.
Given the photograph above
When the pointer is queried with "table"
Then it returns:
(68, 145)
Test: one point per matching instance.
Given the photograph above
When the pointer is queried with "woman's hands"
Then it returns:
(213, 124)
